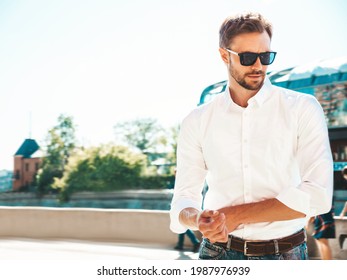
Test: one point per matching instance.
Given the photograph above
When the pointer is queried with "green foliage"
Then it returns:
(102, 168)
(67, 169)
(45, 178)
(60, 143)
(151, 139)
(172, 141)
(143, 134)
(157, 182)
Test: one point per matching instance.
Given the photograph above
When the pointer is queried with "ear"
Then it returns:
(224, 55)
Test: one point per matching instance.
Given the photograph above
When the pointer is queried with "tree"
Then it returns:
(102, 168)
(152, 139)
(172, 142)
(143, 134)
(60, 144)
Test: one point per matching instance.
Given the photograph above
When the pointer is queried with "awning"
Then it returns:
(316, 69)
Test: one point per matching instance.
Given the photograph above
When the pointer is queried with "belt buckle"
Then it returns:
(245, 248)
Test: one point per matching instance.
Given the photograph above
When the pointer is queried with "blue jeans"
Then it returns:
(210, 251)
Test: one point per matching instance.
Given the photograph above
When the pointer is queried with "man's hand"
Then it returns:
(212, 224)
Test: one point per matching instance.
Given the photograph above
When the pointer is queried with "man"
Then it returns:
(264, 152)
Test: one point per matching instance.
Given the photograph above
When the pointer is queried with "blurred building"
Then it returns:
(6, 180)
(326, 80)
(27, 161)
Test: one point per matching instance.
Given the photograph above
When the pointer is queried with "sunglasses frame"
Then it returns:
(260, 55)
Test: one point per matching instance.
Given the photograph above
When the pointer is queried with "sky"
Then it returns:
(107, 61)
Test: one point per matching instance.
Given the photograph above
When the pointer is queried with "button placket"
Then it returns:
(245, 155)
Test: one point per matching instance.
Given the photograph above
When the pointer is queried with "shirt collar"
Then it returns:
(262, 95)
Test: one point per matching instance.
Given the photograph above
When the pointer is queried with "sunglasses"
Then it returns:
(249, 58)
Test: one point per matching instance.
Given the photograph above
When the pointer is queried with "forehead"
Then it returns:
(251, 42)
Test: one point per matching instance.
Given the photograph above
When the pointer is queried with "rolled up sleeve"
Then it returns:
(191, 172)
(314, 194)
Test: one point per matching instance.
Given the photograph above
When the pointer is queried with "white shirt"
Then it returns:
(276, 147)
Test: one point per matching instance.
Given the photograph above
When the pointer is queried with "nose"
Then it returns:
(257, 65)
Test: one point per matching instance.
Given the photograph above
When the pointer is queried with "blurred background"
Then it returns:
(92, 92)
(105, 62)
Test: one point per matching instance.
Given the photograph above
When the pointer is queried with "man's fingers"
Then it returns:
(212, 225)
(209, 213)
(217, 236)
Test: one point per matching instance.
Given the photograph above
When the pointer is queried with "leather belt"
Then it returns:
(267, 247)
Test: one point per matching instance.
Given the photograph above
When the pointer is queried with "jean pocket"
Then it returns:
(298, 253)
(208, 251)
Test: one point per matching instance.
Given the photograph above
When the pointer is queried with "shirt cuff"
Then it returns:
(176, 208)
(296, 199)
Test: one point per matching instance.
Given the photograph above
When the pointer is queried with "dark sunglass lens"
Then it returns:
(248, 59)
(267, 58)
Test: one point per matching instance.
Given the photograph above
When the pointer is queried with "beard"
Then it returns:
(241, 79)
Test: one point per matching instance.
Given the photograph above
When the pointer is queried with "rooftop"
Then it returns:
(28, 148)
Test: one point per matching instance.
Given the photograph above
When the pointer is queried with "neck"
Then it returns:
(239, 94)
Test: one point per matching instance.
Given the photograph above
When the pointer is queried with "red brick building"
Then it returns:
(27, 161)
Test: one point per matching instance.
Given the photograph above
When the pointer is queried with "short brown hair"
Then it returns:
(242, 23)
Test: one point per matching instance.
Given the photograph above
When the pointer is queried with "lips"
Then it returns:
(255, 76)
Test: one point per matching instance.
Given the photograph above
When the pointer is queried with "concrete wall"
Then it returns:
(148, 226)
(118, 225)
